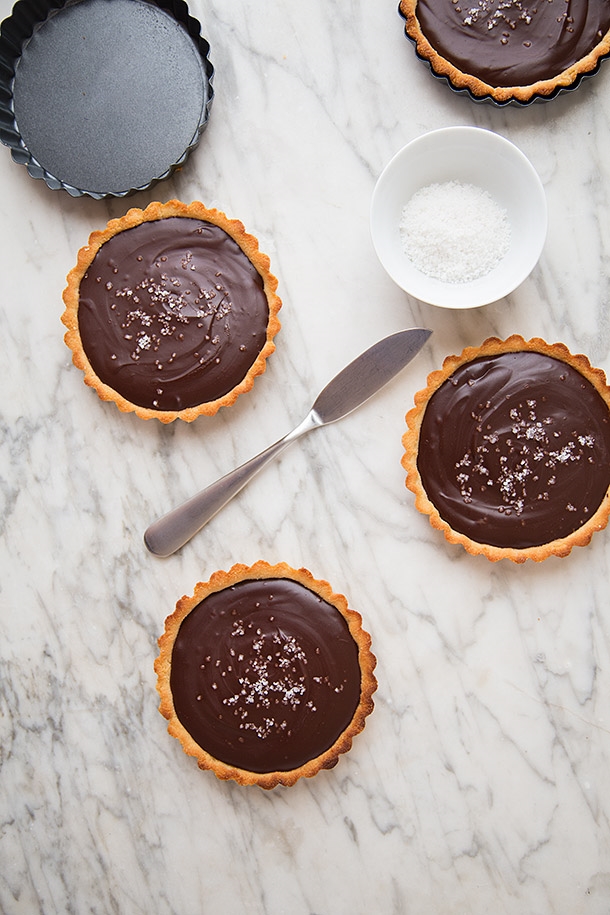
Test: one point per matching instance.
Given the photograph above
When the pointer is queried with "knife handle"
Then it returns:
(170, 532)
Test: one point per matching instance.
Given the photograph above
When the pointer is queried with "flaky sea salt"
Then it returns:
(454, 232)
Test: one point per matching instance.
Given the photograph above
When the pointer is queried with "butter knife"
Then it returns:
(354, 385)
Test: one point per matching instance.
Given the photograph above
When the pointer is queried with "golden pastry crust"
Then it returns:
(134, 217)
(414, 418)
(500, 94)
(218, 582)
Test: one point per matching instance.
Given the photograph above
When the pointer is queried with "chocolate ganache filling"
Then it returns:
(508, 43)
(265, 675)
(172, 313)
(514, 450)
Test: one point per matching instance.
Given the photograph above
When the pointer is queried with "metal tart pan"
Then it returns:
(103, 97)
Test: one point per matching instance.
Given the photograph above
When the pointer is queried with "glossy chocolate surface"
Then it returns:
(514, 450)
(265, 675)
(513, 42)
(172, 313)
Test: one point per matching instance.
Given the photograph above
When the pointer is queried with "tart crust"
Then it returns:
(219, 581)
(135, 217)
(492, 346)
(460, 80)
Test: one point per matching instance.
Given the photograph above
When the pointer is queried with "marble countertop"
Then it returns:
(481, 782)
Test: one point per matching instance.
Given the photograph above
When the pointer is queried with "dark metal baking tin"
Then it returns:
(488, 99)
(103, 97)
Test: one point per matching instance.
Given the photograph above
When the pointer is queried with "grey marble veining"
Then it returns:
(481, 783)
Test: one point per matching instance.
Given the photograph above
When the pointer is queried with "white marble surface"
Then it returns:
(481, 783)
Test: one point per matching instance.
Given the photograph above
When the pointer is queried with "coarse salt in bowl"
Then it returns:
(502, 200)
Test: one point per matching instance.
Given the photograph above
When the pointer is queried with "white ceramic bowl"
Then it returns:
(469, 155)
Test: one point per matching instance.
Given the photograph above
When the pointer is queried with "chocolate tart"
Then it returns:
(171, 311)
(265, 675)
(509, 50)
(508, 449)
